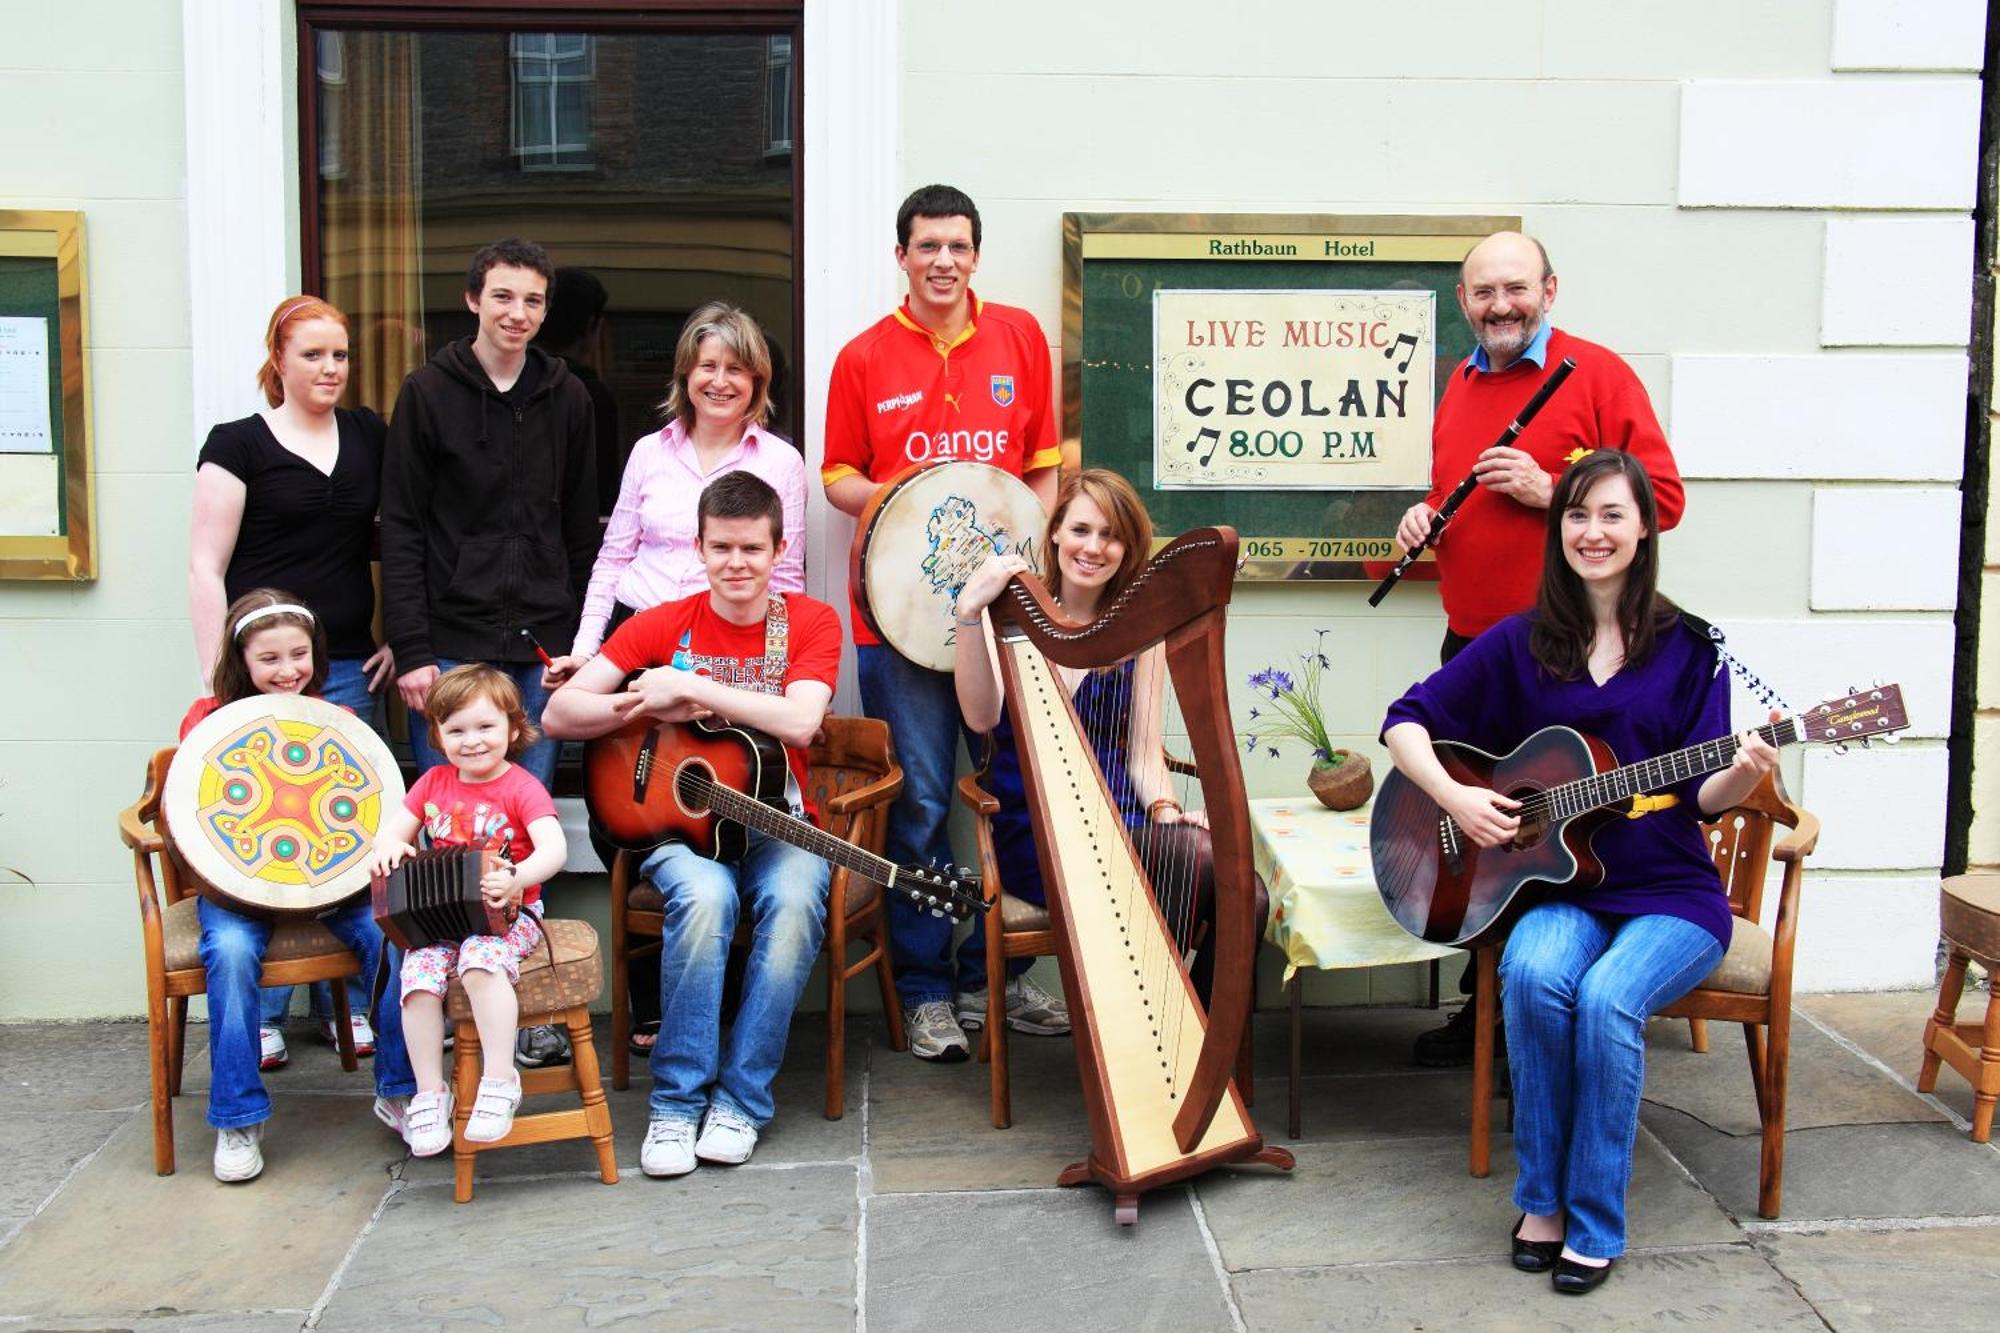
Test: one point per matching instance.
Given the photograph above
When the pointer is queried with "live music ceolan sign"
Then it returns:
(1296, 389)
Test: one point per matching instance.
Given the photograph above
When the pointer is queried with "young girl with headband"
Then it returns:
(275, 645)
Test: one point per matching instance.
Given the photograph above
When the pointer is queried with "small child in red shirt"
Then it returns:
(477, 796)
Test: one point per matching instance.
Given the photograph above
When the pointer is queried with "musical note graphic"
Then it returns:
(1389, 352)
(1214, 438)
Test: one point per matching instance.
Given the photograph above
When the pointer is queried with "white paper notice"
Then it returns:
(29, 503)
(24, 385)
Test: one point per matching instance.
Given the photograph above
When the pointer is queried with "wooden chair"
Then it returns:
(300, 951)
(1026, 932)
(1015, 928)
(1752, 985)
(558, 983)
(1969, 921)
(852, 776)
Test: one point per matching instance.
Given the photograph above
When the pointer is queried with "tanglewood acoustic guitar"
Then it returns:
(705, 784)
(1442, 886)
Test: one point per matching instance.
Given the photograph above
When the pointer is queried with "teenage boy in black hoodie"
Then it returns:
(489, 511)
(489, 498)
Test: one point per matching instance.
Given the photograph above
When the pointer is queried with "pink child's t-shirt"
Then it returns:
(454, 811)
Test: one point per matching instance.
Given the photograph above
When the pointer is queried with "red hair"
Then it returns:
(290, 310)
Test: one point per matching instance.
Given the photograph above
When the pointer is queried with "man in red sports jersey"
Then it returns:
(1490, 557)
(944, 376)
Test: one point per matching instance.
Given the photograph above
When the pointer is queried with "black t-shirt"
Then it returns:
(303, 531)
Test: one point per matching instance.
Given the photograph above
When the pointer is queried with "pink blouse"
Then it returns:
(649, 553)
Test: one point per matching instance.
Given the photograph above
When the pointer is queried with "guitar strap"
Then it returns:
(1751, 680)
(777, 637)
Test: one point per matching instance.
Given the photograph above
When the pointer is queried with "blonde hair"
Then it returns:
(463, 685)
(289, 310)
(740, 334)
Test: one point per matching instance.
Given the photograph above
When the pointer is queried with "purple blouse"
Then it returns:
(1494, 695)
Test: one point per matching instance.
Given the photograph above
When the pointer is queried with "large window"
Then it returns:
(655, 165)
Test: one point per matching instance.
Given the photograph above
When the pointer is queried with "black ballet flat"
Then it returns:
(1534, 1256)
(1574, 1279)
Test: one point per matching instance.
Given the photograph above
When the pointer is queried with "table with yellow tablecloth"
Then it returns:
(1325, 910)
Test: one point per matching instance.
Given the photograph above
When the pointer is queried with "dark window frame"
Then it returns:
(696, 17)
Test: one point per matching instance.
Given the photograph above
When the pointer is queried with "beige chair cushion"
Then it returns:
(1746, 968)
(576, 979)
(1017, 914)
(1969, 915)
(291, 940)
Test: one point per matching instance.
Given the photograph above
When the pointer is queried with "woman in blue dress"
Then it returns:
(1602, 652)
(1099, 537)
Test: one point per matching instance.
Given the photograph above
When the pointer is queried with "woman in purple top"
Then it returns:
(1605, 653)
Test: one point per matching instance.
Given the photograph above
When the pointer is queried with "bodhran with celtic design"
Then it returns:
(920, 537)
(273, 803)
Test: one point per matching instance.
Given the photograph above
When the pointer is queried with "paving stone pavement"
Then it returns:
(912, 1212)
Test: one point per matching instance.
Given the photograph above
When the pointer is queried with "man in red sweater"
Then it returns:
(1490, 558)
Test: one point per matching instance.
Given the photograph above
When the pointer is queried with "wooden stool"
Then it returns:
(1969, 920)
(548, 995)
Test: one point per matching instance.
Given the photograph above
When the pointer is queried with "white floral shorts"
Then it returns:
(430, 968)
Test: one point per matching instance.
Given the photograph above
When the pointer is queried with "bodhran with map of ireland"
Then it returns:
(273, 802)
(1293, 390)
(918, 541)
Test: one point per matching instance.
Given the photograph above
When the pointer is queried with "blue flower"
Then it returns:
(1249, 745)
(1253, 714)
(1262, 679)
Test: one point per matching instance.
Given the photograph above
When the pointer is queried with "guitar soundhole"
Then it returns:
(692, 781)
(1534, 827)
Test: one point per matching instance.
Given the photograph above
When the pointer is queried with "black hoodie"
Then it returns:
(489, 511)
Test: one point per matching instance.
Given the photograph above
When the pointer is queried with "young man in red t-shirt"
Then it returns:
(738, 654)
(944, 376)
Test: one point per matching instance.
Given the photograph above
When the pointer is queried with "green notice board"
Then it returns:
(29, 289)
(1114, 265)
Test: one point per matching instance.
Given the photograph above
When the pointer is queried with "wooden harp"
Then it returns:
(1154, 1067)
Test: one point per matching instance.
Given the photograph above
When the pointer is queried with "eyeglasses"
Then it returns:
(929, 249)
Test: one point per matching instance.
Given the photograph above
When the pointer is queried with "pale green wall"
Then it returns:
(98, 673)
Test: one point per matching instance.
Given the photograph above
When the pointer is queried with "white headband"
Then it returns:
(275, 609)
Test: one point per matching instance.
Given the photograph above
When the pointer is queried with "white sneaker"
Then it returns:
(427, 1123)
(493, 1110)
(239, 1153)
(271, 1049)
(726, 1137)
(1030, 1009)
(391, 1111)
(934, 1034)
(669, 1148)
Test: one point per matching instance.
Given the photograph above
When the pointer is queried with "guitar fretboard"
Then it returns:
(752, 813)
(1621, 784)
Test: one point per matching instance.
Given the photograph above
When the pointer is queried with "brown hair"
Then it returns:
(739, 494)
(1130, 523)
(289, 311)
(230, 680)
(1564, 626)
(463, 685)
(740, 334)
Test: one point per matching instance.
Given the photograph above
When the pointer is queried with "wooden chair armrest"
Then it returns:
(1176, 764)
(137, 833)
(879, 792)
(1799, 843)
(982, 802)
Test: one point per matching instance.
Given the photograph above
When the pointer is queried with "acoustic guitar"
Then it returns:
(1443, 887)
(706, 784)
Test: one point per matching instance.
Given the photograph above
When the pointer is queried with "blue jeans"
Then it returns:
(784, 888)
(346, 685)
(1577, 988)
(539, 758)
(921, 709)
(232, 949)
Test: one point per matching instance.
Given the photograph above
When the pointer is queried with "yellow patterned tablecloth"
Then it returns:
(1325, 911)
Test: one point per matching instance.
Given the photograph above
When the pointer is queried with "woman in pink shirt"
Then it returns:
(715, 409)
